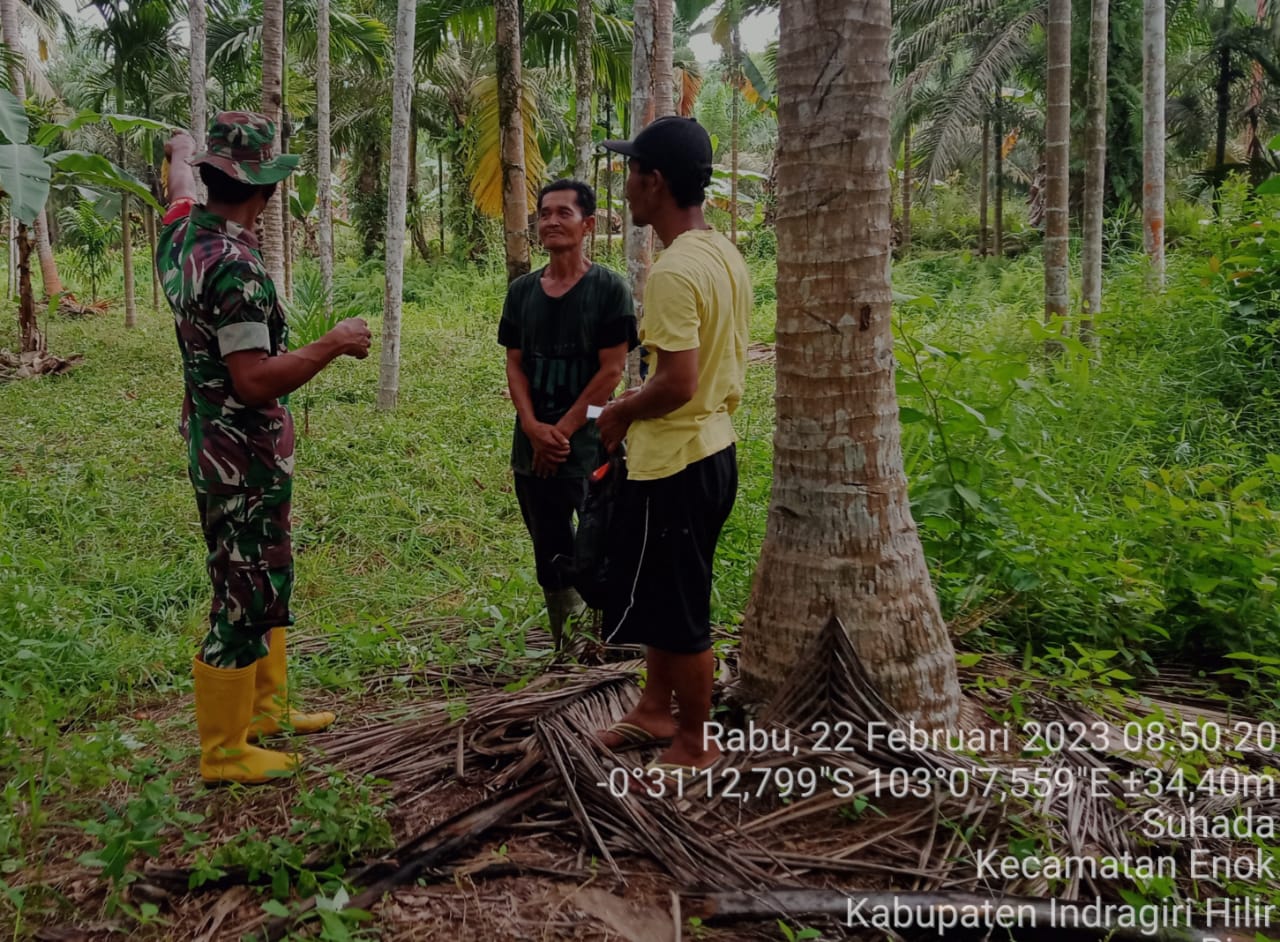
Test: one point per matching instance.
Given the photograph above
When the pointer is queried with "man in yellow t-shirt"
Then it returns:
(682, 472)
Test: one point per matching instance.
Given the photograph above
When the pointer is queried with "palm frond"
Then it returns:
(970, 94)
(485, 161)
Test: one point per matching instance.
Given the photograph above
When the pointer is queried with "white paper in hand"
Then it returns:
(593, 412)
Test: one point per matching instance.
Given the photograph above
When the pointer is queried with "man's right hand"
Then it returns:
(353, 337)
(550, 447)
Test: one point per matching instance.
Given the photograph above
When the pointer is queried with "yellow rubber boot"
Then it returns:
(271, 696)
(224, 706)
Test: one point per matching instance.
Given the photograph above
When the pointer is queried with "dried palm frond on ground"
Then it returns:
(35, 363)
(521, 766)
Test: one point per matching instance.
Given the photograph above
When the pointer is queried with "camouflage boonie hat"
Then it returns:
(240, 145)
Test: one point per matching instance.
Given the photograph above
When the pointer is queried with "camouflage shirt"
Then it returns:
(223, 302)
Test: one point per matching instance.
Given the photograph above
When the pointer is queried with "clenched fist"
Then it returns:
(353, 337)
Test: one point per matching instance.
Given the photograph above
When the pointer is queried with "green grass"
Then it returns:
(397, 516)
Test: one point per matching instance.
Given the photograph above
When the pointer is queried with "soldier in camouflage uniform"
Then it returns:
(237, 369)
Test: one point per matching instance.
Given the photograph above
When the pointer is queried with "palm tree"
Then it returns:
(954, 57)
(272, 100)
(198, 22)
(834, 547)
(584, 83)
(1153, 134)
(324, 155)
(639, 245)
(515, 206)
(137, 40)
(1057, 290)
(401, 103)
(1095, 169)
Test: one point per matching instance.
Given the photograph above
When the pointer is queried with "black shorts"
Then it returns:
(663, 539)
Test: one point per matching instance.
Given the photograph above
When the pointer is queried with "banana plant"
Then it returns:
(26, 175)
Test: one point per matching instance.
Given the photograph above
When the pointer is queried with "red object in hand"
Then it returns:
(600, 473)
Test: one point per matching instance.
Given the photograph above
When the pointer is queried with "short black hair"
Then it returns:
(687, 188)
(226, 189)
(585, 196)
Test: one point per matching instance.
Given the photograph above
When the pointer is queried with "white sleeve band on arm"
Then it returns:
(245, 336)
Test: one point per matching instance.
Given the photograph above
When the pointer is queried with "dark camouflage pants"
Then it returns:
(250, 564)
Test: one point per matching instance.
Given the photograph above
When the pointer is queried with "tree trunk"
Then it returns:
(272, 99)
(608, 177)
(1057, 289)
(1095, 170)
(515, 198)
(907, 183)
(397, 187)
(1220, 138)
(30, 339)
(282, 195)
(984, 219)
(584, 82)
(1153, 99)
(324, 155)
(998, 235)
(440, 185)
(664, 101)
(149, 218)
(735, 109)
(417, 222)
(638, 244)
(49, 276)
(198, 22)
(126, 231)
(840, 538)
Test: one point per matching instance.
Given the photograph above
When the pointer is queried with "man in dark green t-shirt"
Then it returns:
(567, 328)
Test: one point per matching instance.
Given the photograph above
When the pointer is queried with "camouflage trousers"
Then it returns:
(250, 563)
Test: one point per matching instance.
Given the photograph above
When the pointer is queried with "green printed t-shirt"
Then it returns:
(560, 340)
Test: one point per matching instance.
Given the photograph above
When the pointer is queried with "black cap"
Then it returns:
(679, 147)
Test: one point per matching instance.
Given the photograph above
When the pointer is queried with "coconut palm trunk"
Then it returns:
(126, 228)
(324, 155)
(515, 198)
(1153, 132)
(584, 82)
(840, 538)
(1057, 289)
(984, 188)
(997, 238)
(397, 189)
(49, 276)
(664, 92)
(198, 23)
(1095, 171)
(637, 240)
(272, 99)
(735, 123)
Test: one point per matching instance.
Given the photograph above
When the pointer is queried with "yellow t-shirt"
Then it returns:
(698, 296)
